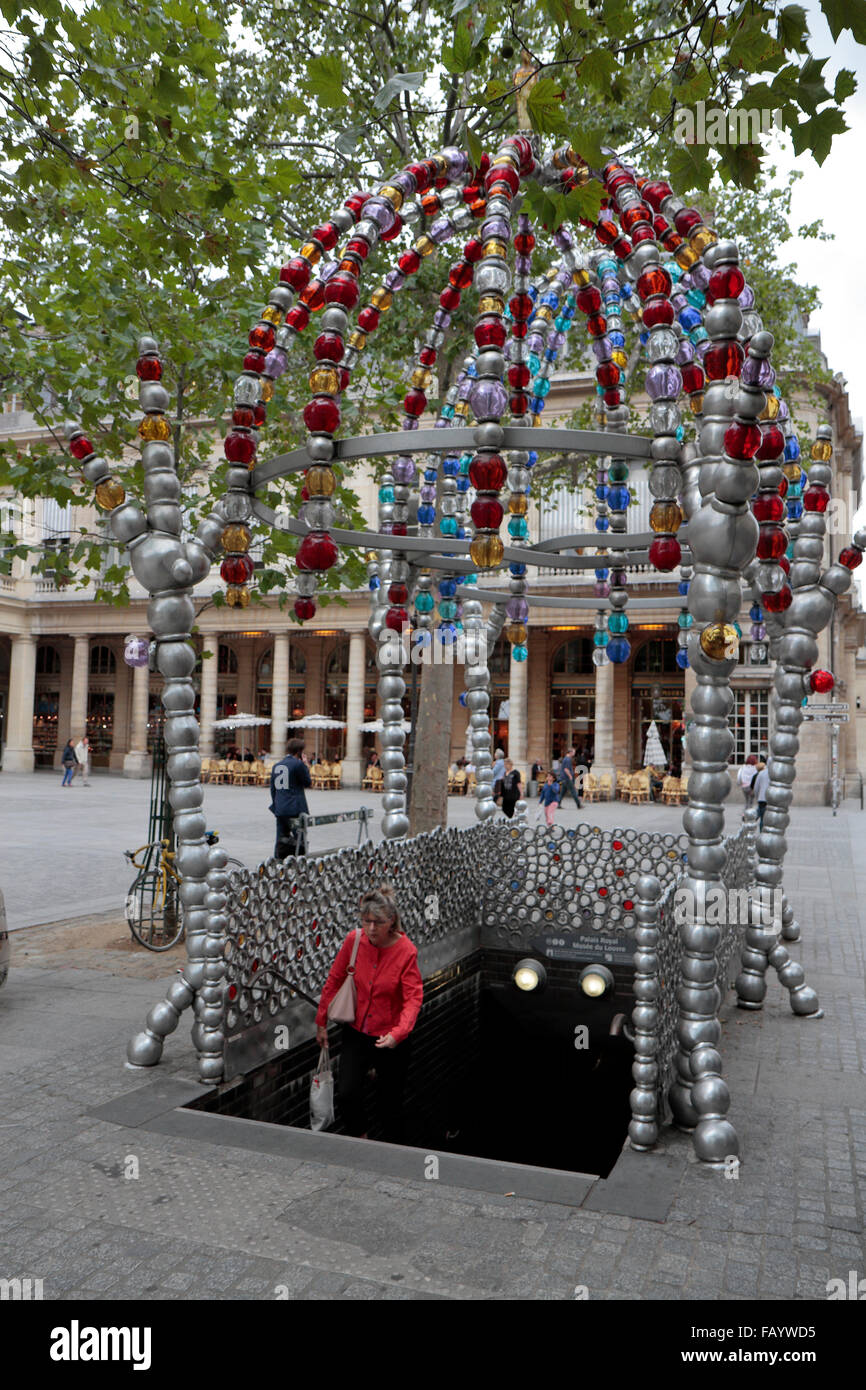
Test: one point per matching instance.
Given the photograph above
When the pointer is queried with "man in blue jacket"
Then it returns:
(289, 779)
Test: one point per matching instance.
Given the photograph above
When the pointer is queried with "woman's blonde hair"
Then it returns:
(381, 904)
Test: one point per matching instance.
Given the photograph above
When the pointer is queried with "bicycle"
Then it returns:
(154, 911)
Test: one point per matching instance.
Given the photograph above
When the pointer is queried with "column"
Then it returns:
(689, 686)
(18, 753)
(517, 710)
(280, 695)
(136, 763)
(603, 759)
(78, 707)
(352, 770)
(208, 707)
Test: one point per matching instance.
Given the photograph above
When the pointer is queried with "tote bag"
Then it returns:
(322, 1093)
(342, 1007)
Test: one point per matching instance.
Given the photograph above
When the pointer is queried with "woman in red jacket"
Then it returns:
(389, 996)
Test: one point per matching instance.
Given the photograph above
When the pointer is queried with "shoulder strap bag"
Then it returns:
(344, 1003)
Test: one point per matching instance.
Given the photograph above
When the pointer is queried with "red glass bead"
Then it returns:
(622, 248)
(421, 173)
(471, 192)
(772, 543)
(345, 378)
(472, 250)
(305, 493)
(727, 283)
(588, 300)
(358, 247)
(821, 682)
(502, 173)
(304, 608)
(243, 415)
(523, 243)
(298, 317)
(414, 403)
(653, 282)
(607, 374)
(851, 557)
(633, 215)
(486, 513)
(519, 329)
(606, 232)
(149, 369)
(742, 441)
(254, 362)
(783, 486)
(342, 289)
(427, 357)
(326, 236)
(642, 232)
(723, 360)
(777, 603)
(262, 337)
(628, 905)
(409, 262)
(317, 551)
(490, 332)
(329, 347)
(399, 528)
(518, 374)
(460, 275)
(518, 404)
(356, 203)
(260, 412)
(665, 553)
(487, 472)
(450, 298)
(394, 230)
(785, 564)
(397, 619)
(693, 377)
(596, 325)
(81, 448)
(398, 593)
(815, 499)
(314, 296)
(612, 397)
(772, 444)
(297, 273)
(368, 319)
(239, 448)
(322, 415)
(768, 506)
(520, 306)
(655, 193)
(523, 149)
(686, 219)
(658, 312)
(236, 569)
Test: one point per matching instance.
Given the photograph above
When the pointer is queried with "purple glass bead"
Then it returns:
(380, 212)
(410, 423)
(458, 162)
(441, 230)
(497, 227)
(535, 343)
(523, 264)
(700, 276)
(601, 589)
(524, 223)
(703, 347)
(757, 372)
(276, 362)
(441, 319)
(563, 239)
(602, 347)
(619, 579)
(428, 493)
(136, 652)
(405, 182)
(464, 390)
(563, 277)
(759, 632)
(488, 399)
(327, 269)
(556, 340)
(686, 353)
(746, 297)
(679, 302)
(404, 470)
(517, 609)
(386, 528)
(610, 285)
(663, 382)
(394, 280)
(784, 412)
(442, 424)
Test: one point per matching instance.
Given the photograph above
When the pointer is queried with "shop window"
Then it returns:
(227, 661)
(102, 662)
(750, 724)
(47, 661)
(657, 657)
(574, 658)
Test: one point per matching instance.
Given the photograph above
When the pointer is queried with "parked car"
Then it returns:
(5, 950)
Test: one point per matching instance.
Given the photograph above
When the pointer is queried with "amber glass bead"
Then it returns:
(518, 504)
(720, 642)
(311, 253)
(155, 427)
(237, 596)
(314, 295)
(696, 403)
(516, 634)
(666, 517)
(321, 481)
(486, 551)
(358, 340)
(236, 539)
(620, 358)
(792, 471)
(267, 391)
(325, 381)
(271, 314)
(685, 256)
(424, 246)
(701, 238)
(491, 304)
(110, 494)
(394, 195)
(494, 248)
(771, 409)
(421, 378)
(822, 451)
(461, 408)
(581, 278)
(381, 299)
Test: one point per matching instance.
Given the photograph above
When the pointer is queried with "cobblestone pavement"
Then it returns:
(205, 1221)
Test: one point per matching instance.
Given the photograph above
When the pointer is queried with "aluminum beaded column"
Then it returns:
(168, 567)
(722, 535)
(643, 1130)
(478, 699)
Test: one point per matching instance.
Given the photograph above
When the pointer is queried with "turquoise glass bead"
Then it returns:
(618, 623)
(424, 602)
(518, 527)
(448, 526)
(386, 494)
(520, 653)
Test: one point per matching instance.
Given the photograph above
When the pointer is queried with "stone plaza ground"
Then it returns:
(204, 1219)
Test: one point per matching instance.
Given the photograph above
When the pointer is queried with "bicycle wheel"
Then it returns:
(156, 922)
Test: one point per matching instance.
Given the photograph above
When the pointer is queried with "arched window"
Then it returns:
(102, 661)
(227, 660)
(574, 658)
(338, 661)
(499, 664)
(47, 661)
(657, 657)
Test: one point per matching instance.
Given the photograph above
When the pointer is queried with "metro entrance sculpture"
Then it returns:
(730, 509)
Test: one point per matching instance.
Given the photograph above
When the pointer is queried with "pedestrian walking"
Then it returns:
(511, 790)
(70, 763)
(761, 787)
(549, 797)
(290, 778)
(389, 992)
(82, 753)
(569, 778)
(746, 778)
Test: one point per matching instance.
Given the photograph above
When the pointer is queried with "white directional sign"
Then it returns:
(828, 714)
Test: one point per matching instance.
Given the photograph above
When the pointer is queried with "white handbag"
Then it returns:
(344, 1003)
(322, 1093)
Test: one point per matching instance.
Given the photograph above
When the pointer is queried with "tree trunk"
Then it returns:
(428, 804)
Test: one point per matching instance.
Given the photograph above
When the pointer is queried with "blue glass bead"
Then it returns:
(550, 354)
(689, 317)
(601, 492)
(536, 405)
(448, 526)
(449, 467)
(617, 624)
(533, 292)
(683, 587)
(461, 700)
(792, 449)
(447, 634)
(424, 602)
(756, 613)
(600, 639)
(550, 300)
(375, 583)
(534, 362)
(627, 291)
(472, 370)
(518, 527)
(465, 462)
(426, 516)
(608, 266)
(517, 570)
(602, 523)
(386, 494)
(682, 659)
(520, 653)
(470, 579)
(617, 338)
(448, 609)
(447, 588)
(777, 392)
(680, 432)
(685, 620)
(463, 484)
(533, 458)
(601, 575)
(795, 511)
(618, 498)
(699, 335)
(795, 491)
(618, 650)
(561, 324)
(430, 475)
(789, 555)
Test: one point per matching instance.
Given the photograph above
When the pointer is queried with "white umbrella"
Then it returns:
(242, 722)
(317, 722)
(654, 753)
(375, 726)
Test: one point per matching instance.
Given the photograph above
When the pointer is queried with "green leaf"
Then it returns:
(584, 202)
(597, 69)
(750, 45)
(473, 145)
(400, 82)
(496, 89)
(846, 14)
(690, 168)
(792, 27)
(741, 164)
(325, 80)
(817, 133)
(810, 87)
(458, 57)
(545, 107)
(846, 85)
(588, 142)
